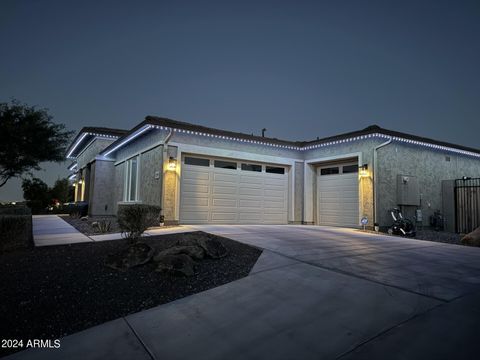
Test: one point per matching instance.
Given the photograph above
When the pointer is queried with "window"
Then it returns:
(350, 169)
(329, 171)
(131, 183)
(274, 170)
(196, 161)
(252, 167)
(225, 164)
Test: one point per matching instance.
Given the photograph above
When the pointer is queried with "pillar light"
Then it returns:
(363, 170)
(172, 163)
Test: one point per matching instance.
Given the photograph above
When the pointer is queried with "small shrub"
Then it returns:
(15, 231)
(77, 210)
(133, 220)
(75, 215)
(102, 226)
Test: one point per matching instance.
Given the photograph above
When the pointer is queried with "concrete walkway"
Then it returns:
(315, 293)
(52, 230)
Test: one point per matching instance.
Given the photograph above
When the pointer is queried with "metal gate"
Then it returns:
(467, 204)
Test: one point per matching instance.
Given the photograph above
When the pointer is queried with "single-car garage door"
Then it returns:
(337, 195)
(225, 191)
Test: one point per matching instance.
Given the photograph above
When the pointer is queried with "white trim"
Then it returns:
(76, 144)
(96, 136)
(128, 139)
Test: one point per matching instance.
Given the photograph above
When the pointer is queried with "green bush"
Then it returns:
(15, 232)
(134, 219)
(102, 226)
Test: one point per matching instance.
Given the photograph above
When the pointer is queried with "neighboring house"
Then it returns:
(204, 175)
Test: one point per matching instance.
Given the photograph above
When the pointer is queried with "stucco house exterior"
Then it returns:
(201, 175)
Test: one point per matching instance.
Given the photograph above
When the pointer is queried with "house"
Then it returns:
(203, 175)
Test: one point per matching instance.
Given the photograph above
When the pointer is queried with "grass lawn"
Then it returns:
(53, 291)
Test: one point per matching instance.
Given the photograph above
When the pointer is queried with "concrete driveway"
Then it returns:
(315, 293)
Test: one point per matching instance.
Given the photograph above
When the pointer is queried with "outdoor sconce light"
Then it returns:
(74, 184)
(363, 170)
(172, 163)
(80, 181)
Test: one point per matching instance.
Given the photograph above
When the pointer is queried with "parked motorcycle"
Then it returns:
(401, 226)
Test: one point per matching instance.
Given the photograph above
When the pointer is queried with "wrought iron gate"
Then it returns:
(467, 204)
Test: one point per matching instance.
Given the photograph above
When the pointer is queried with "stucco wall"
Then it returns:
(429, 166)
(150, 187)
(102, 201)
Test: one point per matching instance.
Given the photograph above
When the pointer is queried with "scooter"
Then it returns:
(401, 226)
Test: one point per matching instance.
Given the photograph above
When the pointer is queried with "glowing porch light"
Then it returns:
(172, 163)
(363, 170)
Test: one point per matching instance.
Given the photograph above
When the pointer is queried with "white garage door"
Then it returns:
(337, 195)
(232, 192)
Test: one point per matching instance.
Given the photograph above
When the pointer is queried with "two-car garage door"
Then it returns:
(231, 192)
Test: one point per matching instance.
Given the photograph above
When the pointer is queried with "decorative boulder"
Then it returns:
(473, 238)
(135, 255)
(194, 251)
(178, 264)
(213, 247)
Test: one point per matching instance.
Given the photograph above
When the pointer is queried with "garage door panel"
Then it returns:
(251, 191)
(246, 203)
(274, 193)
(228, 178)
(275, 181)
(195, 201)
(224, 216)
(250, 216)
(195, 215)
(195, 188)
(196, 175)
(274, 204)
(215, 195)
(251, 180)
(275, 218)
(224, 190)
(224, 202)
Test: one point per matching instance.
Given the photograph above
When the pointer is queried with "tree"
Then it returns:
(28, 136)
(36, 193)
(62, 191)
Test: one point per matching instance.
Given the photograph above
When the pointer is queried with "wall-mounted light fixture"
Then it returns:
(172, 163)
(363, 170)
(80, 181)
(74, 184)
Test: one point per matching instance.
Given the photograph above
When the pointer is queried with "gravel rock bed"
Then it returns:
(439, 236)
(430, 235)
(85, 226)
(53, 291)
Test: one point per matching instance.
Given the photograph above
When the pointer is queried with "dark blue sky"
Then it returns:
(301, 69)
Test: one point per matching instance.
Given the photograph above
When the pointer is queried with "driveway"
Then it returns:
(315, 293)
